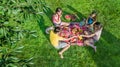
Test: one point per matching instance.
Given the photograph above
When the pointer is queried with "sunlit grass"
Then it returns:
(45, 55)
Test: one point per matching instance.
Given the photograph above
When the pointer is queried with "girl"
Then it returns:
(56, 18)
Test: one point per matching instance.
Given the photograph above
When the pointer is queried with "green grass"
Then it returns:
(108, 47)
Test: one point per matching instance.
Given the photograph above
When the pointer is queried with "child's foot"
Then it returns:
(95, 48)
(61, 56)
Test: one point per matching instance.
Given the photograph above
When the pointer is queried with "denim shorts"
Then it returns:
(62, 44)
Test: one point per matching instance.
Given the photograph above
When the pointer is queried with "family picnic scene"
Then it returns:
(59, 33)
(66, 34)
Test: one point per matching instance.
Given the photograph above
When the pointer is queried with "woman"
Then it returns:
(59, 42)
(92, 38)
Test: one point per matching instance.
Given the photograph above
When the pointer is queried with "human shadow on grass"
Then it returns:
(80, 15)
(43, 27)
(108, 51)
(48, 12)
(68, 13)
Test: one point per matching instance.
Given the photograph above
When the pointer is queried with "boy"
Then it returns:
(91, 20)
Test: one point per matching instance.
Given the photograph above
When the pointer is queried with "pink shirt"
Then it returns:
(56, 19)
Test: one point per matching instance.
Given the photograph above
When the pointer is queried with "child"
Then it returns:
(56, 18)
(90, 39)
(91, 20)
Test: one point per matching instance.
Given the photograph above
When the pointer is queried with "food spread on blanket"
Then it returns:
(72, 30)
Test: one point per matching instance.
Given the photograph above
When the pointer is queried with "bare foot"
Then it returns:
(61, 56)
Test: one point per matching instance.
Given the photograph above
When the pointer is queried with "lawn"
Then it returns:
(108, 47)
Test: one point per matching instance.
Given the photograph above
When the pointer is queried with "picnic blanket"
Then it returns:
(74, 29)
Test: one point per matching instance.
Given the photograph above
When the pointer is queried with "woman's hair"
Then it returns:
(58, 9)
(57, 29)
(98, 26)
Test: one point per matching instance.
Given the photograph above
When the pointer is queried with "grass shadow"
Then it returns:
(67, 13)
(80, 15)
(48, 12)
(43, 27)
(108, 51)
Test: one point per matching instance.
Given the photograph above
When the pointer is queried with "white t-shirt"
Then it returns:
(97, 34)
